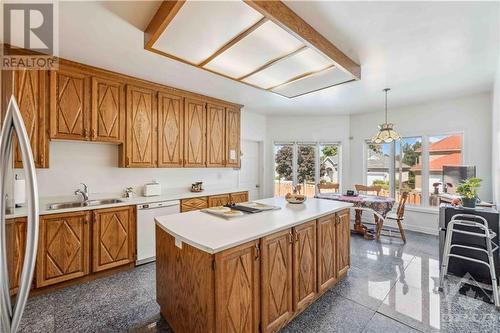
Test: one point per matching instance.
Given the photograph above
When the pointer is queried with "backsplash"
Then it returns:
(72, 163)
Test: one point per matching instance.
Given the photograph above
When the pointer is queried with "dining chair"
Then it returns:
(328, 186)
(364, 189)
(398, 217)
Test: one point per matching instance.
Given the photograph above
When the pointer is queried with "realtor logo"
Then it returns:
(29, 35)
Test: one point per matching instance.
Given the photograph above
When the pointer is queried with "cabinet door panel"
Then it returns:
(30, 89)
(170, 134)
(218, 200)
(276, 283)
(63, 248)
(16, 246)
(188, 205)
(141, 128)
(108, 110)
(327, 260)
(69, 105)
(194, 133)
(239, 197)
(233, 137)
(343, 241)
(304, 273)
(113, 238)
(237, 277)
(215, 135)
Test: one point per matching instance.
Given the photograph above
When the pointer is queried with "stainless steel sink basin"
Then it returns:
(65, 205)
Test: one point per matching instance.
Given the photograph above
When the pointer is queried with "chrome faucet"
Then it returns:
(84, 192)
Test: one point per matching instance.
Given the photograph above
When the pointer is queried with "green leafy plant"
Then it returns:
(468, 188)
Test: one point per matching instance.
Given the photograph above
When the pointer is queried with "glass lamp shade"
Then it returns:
(386, 134)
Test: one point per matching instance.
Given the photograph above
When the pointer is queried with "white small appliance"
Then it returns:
(146, 213)
(152, 189)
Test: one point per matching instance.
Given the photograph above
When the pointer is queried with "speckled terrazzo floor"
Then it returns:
(390, 288)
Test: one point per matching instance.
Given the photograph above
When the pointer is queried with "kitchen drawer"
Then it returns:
(239, 197)
(218, 200)
(193, 204)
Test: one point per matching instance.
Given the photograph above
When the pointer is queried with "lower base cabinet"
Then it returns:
(343, 237)
(113, 238)
(327, 253)
(304, 265)
(16, 244)
(63, 248)
(237, 289)
(73, 245)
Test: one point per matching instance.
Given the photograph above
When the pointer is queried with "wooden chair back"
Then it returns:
(328, 186)
(367, 189)
(402, 203)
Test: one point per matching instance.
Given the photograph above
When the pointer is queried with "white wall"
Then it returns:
(307, 129)
(96, 165)
(469, 115)
(495, 152)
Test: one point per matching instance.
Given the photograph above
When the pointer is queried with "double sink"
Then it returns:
(88, 203)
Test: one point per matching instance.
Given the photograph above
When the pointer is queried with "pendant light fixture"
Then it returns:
(386, 134)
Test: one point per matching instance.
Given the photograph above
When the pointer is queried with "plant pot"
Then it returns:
(469, 203)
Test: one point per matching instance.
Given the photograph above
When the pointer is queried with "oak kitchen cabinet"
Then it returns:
(16, 244)
(216, 134)
(343, 237)
(171, 130)
(30, 88)
(113, 237)
(141, 135)
(327, 256)
(304, 265)
(70, 91)
(63, 248)
(276, 280)
(107, 110)
(238, 267)
(195, 131)
(188, 205)
(238, 197)
(233, 138)
(218, 200)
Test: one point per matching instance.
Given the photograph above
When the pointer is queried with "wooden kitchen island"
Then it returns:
(249, 274)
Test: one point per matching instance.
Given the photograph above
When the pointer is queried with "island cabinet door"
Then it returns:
(276, 280)
(237, 274)
(63, 248)
(343, 242)
(304, 265)
(113, 238)
(327, 259)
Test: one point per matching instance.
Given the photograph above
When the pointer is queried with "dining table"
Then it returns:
(380, 206)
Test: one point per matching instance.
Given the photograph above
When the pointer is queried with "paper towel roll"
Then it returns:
(19, 192)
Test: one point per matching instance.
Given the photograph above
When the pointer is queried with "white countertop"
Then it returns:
(213, 234)
(136, 200)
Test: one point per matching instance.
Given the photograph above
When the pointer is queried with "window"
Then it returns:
(305, 164)
(378, 164)
(444, 150)
(407, 167)
(413, 165)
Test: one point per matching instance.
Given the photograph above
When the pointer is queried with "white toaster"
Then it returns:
(152, 189)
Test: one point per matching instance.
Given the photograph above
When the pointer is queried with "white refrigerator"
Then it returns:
(11, 311)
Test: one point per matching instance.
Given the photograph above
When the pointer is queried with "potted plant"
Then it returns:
(468, 191)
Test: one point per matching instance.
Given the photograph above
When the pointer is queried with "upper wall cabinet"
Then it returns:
(30, 89)
(69, 104)
(108, 110)
(171, 130)
(216, 151)
(141, 136)
(233, 137)
(195, 133)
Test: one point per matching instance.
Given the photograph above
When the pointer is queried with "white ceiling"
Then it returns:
(422, 50)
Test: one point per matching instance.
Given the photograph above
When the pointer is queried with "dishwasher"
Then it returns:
(146, 213)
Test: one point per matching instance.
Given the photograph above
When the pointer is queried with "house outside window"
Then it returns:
(399, 167)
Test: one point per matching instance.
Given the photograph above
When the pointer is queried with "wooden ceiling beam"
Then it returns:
(283, 16)
(159, 22)
(233, 41)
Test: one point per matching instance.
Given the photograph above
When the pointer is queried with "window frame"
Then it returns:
(425, 164)
(317, 163)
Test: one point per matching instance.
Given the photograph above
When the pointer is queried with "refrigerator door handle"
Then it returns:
(10, 317)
